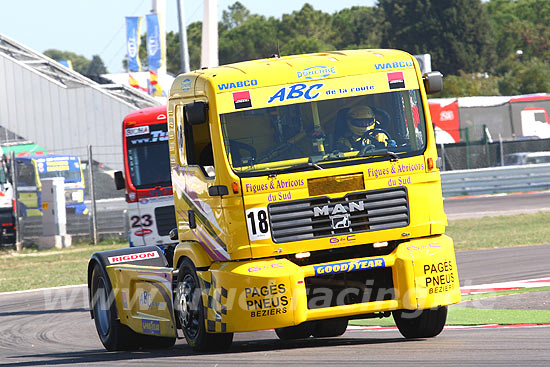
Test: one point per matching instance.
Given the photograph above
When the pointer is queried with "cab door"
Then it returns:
(197, 193)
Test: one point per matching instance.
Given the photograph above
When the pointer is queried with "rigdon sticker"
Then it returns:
(347, 266)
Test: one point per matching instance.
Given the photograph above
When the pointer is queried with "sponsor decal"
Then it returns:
(428, 246)
(439, 277)
(266, 267)
(146, 301)
(280, 196)
(239, 84)
(132, 257)
(274, 185)
(143, 232)
(347, 266)
(186, 84)
(296, 91)
(394, 65)
(396, 80)
(154, 137)
(139, 130)
(242, 99)
(399, 181)
(400, 168)
(125, 300)
(268, 300)
(341, 209)
(150, 326)
(343, 239)
(316, 72)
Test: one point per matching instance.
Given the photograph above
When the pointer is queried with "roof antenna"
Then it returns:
(278, 54)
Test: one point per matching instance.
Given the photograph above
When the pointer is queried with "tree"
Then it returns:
(525, 77)
(358, 27)
(236, 15)
(256, 38)
(457, 33)
(464, 85)
(97, 67)
(306, 29)
(521, 25)
(80, 63)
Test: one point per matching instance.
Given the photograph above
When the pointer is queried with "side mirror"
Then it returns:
(119, 180)
(433, 82)
(173, 234)
(196, 112)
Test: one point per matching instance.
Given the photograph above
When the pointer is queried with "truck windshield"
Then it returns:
(69, 176)
(148, 157)
(327, 132)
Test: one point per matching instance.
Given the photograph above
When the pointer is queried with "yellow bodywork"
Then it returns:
(271, 293)
(253, 282)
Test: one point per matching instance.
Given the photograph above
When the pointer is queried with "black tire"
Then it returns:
(301, 331)
(330, 328)
(113, 335)
(190, 313)
(420, 324)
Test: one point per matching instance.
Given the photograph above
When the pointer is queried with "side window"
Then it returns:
(25, 175)
(180, 135)
(198, 144)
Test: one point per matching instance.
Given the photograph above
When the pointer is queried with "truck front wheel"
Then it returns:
(113, 335)
(330, 328)
(190, 313)
(420, 323)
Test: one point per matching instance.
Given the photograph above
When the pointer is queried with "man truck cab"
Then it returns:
(277, 227)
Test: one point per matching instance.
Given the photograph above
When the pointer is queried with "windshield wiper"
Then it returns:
(295, 167)
(394, 157)
(340, 156)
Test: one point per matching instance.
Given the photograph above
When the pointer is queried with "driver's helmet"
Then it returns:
(360, 119)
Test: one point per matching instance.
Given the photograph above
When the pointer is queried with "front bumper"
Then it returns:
(265, 294)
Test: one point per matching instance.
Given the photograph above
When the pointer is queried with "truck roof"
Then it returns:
(46, 156)
(279, 70)
(146, 115)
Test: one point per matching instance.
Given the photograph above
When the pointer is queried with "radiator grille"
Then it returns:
(323, 216)
(165, 218)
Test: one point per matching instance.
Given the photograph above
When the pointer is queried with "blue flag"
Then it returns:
(133, 30)
(154, 42)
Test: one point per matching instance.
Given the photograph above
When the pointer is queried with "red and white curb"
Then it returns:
(505, 286)
(477, 289)
(449, 327)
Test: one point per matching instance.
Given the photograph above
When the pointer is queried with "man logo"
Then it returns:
(352, 206)
(340, 221)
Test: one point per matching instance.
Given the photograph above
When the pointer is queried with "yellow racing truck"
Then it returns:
(307, 193)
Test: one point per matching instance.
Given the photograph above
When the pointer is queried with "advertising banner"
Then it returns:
(155, 43)
(133, 30)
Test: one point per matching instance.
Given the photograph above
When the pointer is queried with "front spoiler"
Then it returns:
(271, 293)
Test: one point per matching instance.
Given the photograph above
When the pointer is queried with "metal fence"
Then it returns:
(532, 177)
(111, 219)
(484, 153)
(111, 214)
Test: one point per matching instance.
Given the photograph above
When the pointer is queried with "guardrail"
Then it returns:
(113, 221)
(496, 180)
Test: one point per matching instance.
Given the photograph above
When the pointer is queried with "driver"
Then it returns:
(359, 120)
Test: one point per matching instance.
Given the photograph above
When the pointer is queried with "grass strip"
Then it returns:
(471, 297)
(474, 316)
(33, 269)
(501, 231)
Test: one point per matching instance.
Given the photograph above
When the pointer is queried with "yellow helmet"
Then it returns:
(360, 119)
